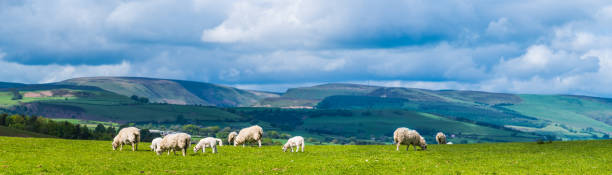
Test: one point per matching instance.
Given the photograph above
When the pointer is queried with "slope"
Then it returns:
(173, 91)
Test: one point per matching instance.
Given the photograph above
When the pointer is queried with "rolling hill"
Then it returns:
(173, 91)
(340, 110)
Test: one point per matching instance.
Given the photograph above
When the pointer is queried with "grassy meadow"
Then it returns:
(51, 156)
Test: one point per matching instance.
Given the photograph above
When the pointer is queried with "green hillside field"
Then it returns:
(51, 156)
(12, 132)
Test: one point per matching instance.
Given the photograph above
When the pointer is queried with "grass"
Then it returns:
(6, 131)
(59, 156)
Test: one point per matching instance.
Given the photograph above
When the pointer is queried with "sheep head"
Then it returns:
(196, 149)
(158, 150)
(115, 145)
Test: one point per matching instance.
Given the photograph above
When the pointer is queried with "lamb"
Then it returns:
(231, 137)
(155, 143)
(219, 141)
(207, 142)
(250, 134)
(296, 142)
(180, 141)
(129, 135)
(441, 138)
(408, 137)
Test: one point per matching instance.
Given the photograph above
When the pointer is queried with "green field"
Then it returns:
(59, 156)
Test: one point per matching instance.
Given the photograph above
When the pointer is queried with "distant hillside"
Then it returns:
(340, 110)
(5, 85)
(173, 91)
(310, 96)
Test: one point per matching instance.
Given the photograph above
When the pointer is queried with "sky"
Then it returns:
(521, 46)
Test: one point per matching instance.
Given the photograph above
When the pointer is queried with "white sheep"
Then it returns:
(180, 141)
(441, 138)
(250, 134)
(408, 137)
(207, 142)
(449, 143)
(297, 142)
(127, 136)
(219, 141)
(155, 143)
(231, 137)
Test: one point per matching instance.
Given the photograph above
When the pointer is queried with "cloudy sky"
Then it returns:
(515, 46)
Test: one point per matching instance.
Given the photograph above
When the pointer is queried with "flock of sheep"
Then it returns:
(182, 141)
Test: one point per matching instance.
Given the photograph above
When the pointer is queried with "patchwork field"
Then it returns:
(43, 155)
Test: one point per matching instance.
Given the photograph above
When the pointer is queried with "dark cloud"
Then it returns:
(513, 46)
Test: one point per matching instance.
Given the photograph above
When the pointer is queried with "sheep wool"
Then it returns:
(207, 142)
(173, 142)
(441, 138)
(297, 142)
(127, 136)
(155, 142)
(250, 134)
(408, 137)
(231, 137)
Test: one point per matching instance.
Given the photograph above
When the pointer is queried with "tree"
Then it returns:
(16, 121)
(3, 119)
(16, 94)
(192, 129)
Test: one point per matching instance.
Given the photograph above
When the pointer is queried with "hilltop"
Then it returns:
(346, 112)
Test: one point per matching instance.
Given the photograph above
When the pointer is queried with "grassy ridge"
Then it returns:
(570, 111)
(12, 132)
(96, 157)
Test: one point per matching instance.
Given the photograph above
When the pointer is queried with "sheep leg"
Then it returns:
(120, 147)
(214, 149)
(398, 145)
(302, 147)
(184, 150)
(259, 142)
(133, 147)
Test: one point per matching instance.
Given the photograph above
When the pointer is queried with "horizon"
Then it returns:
(520, 47)
(243, 87)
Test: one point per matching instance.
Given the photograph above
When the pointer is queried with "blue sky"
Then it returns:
(511, 46)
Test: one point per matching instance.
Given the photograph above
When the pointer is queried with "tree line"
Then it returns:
(61, 129)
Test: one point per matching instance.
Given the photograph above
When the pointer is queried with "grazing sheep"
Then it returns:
(249, 134)
(207, 142)
(296, 142)
(231, 137)
(219, 141)
(441, 138)
(449, 143)
(155, 142)
(180, 141)
(126, 136)
(408, 137)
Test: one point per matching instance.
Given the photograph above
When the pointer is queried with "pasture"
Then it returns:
(50, 156)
